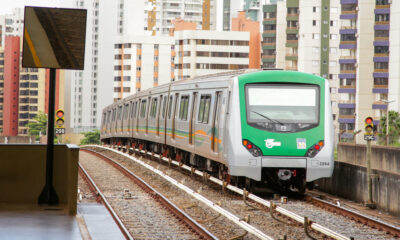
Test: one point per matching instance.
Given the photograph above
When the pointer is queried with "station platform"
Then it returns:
(92, 221)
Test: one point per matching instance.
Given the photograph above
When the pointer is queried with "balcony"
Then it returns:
(291, 68)
(381, 74)
(348, 30)
(379, 105)
(381, 38)
(348, 44)
(348, 74)
(348, 14)
(382, 6)
(382, 25)
(270, 21)
(347, 104)
(348, 2)
(292, 43)
(347, 60)
(347, 89)
(380, 89)
(268, 58)
(381, 70)
(266, 46)
(381, 54)
(381, 59)
(269, 31)
(291, 57)
(292, 30)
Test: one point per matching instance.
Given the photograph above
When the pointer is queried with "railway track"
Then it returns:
(135, 212)
(278, 212)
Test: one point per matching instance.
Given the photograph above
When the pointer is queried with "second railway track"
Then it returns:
(141, 217)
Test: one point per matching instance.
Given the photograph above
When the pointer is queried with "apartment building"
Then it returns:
(369, 39)
(201, 52)
(142, 62)
(304, 36)
(12, 24)
(160, 14)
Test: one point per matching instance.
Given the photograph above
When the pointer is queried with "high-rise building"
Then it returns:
(12, 24)
(200, 52)
(160, 14)
(142, 62)
(108, 21)
(304, 36)
(369, 47)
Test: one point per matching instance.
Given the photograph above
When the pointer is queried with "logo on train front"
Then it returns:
(270, 143)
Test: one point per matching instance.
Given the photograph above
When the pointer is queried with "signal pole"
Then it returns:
(369, 136)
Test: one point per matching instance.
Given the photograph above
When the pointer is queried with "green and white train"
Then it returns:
(258, 129)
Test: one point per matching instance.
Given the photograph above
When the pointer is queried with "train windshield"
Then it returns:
(282, 104)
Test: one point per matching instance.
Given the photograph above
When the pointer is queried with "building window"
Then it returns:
(315, 35)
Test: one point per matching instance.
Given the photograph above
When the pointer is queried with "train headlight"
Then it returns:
(313, 150)
(253, 149)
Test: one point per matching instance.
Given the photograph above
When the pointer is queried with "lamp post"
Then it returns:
(387, 120)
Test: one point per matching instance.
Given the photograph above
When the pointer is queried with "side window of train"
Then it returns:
(132, 109)
(153, 109)
(164, 107)
(104, 117)
(126, 109)
(184, 107)
(204, 109)
(109, 116)
(170, 107)
(143, 109)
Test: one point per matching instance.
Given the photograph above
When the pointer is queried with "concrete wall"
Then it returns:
(23, 172)
(349, 178)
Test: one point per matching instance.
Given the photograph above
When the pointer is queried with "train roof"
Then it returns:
(198, 79)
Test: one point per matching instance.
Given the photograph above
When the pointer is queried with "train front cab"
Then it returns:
(270, 148)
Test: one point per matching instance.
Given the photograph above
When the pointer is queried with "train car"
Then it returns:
(255, 128)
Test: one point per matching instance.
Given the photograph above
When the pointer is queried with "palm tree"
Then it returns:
(394, 128)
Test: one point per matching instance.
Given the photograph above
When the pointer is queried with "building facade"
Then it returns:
(369, 63)
(201, 52)
(142, 62)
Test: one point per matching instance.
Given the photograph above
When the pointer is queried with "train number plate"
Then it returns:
(369, 137)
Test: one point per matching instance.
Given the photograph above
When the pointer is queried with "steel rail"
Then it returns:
(200, 230)
(374, 223)
(300, 219)
(102, 198)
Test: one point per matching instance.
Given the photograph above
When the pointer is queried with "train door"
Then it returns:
(168, 118)
(174, 115)
(159, 116)
(192, 125)
(138, 115)
(163, 117)
(215, 138)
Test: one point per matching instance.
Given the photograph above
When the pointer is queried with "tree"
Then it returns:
(38, 125)
(92, 137)
(394, 128)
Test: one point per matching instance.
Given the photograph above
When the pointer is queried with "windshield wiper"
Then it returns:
(270, 119)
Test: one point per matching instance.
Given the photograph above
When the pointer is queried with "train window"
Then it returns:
(153, 109)
(104, 117)
(170, 107)
(119, 113)
(184, 107)
(126, 108)
(204, 109)
(164, 106)
(113, 114)
(109, 116)
(143, 109)
(132, 109)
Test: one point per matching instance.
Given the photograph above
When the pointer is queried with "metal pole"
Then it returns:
(370, 202)
(49, 195)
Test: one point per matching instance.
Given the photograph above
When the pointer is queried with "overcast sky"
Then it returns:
(6, 6)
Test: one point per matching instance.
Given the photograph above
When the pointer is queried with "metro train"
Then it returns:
(269, 129)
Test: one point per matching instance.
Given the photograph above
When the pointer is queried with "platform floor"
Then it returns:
(92, 222)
